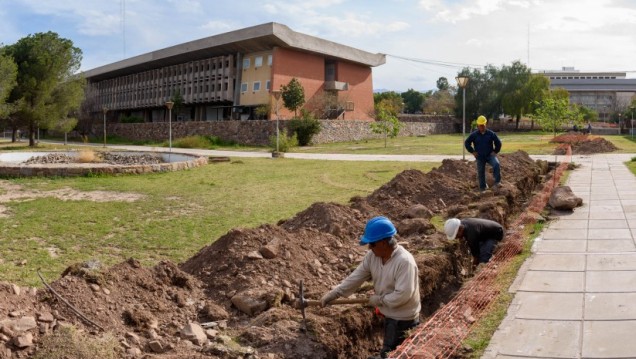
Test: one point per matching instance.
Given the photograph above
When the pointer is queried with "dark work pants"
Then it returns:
(485, 250)
(394, 333)
(481, 170)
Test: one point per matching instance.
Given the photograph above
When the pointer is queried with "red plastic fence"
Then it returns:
(443, 333)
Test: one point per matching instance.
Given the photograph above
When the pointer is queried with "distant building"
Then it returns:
(604, 92)
(228, 76)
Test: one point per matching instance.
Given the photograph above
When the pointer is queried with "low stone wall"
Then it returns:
(259, 132)
(85, 169)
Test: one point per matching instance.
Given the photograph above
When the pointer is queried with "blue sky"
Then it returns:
(591, 35)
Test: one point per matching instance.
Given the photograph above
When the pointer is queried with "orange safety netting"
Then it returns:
(443, 333)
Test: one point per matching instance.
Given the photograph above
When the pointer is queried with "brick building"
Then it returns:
(235, 75)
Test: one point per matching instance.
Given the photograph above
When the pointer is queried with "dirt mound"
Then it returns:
(242, 288)
(582, 144)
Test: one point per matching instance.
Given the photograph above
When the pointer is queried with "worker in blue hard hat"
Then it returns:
(395, 281)
(484, 145)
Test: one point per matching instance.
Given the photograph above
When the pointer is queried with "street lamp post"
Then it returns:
(620, 126)
(631, 109)
(462, 82)
(169, 105)
(276, 94)
(104, 110)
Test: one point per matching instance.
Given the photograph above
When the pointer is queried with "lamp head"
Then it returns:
(462, 81)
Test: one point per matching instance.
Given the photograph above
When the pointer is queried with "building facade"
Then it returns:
(236, 75)
(605, 92)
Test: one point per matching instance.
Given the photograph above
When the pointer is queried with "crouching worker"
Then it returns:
(481, 236)
(395, 280)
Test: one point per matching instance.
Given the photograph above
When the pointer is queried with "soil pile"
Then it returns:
(582, 144)
(235, 298)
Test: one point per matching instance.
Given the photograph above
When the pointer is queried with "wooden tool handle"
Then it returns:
(339, 301)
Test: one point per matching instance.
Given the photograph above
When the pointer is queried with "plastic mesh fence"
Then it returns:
(443, 333)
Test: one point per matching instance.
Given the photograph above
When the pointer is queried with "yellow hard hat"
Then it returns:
(481, 120)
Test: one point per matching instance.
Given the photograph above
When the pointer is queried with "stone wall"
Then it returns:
(259, 132)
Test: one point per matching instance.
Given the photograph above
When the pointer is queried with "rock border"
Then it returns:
(87, 169)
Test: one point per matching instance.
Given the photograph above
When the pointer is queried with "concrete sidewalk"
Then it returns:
(576, 295)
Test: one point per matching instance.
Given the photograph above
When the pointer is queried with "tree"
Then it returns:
(8, 75)
(177, 99)
(293, 95)
(533, 92)
(553, 112)
(392, 95)
(441, 102)
(47, 89)
(442, 84)
(386, 122)
(413, 101)
(495, 91)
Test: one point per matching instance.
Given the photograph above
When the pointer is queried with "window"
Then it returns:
(243, 86)
(256, 86)
(258, 61)
(269, 60)
(246, 63)
(268, 85)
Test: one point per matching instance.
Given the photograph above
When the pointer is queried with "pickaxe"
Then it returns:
(303, 303)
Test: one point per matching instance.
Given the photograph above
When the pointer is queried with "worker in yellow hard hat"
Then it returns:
(484, 145)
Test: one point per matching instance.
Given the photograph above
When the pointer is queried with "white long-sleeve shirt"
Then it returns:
(396, 282)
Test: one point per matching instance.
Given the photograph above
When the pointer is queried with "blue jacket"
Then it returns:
(484, 144)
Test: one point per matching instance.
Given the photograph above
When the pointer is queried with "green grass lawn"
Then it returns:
(534, 143)
(179, 214)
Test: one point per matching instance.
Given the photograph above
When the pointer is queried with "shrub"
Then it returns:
(192, 142)
(285, 142)
(305, 128)
(216, 141)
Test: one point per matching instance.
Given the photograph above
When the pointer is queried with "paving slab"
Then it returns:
(610, 306)
(620, 261)
(609, 339)
(608, 215)
(559, 246)
(558, 262)
(611, 246)
(553, 281)
(610, 281)
(537, 339)
(607, 223)
(549, 306)
(607, 233)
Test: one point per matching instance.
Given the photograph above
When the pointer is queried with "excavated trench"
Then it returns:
(257, 270)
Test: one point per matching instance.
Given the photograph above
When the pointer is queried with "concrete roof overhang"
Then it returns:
(252, 39)
(620, 85)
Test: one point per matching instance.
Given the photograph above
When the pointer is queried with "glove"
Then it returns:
(375, 300)
(328, 297)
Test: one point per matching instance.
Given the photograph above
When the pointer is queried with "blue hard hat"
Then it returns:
(377, 229)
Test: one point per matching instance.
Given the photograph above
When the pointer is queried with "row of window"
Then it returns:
(258, 62)
(582, 77)
(256, 86)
